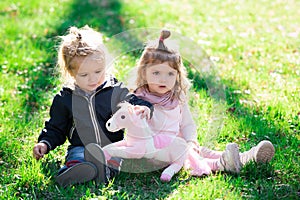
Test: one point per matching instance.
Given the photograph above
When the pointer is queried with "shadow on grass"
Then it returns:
(101, 15)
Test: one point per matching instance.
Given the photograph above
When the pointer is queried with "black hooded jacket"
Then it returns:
(81, 118)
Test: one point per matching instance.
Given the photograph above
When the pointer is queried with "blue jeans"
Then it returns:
(73, 154)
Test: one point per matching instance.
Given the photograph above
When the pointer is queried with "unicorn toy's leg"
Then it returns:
(177, 152)
(122, 150)
(169, 172)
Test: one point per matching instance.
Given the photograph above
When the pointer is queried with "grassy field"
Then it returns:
(253, 95)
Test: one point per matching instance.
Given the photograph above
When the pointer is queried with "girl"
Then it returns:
(79, 111)
(162, 81)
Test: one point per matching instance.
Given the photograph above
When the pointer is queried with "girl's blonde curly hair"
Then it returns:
(160, 51)
(79, 42)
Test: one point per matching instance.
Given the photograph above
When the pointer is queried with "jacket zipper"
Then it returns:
(72, 130)
(93, 118)
(92, 114)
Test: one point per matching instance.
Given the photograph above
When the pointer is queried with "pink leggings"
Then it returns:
(202, 160)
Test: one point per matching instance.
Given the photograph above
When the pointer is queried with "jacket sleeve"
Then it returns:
(125, 95)
(188, 126)
(56, 128)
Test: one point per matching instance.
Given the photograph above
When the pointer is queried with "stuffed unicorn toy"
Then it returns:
(141, 142)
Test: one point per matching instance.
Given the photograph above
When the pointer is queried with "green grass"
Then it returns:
(255, 48)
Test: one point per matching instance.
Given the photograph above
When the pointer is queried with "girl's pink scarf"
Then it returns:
(165, 100)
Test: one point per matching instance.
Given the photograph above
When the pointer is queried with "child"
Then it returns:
(79, 111)
(162, 81)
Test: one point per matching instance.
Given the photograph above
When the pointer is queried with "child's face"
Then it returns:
(90, 73)
(161, 78)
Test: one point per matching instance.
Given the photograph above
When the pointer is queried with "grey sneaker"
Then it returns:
(230, 159)
(79, 173)
(261, 153)
(93, 153)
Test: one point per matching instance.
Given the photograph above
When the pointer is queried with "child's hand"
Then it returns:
(39, 150)
(144, 111)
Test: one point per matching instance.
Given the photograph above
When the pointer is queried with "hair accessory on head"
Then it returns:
(75, 31)
(164, 34)
(78, 36)
(76, 45)
(161, 39)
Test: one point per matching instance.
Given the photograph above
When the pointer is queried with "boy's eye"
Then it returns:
(155, 73)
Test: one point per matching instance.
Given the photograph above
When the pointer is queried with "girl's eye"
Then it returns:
(82, 75)
(98, 72)
(171, 74)
(155, 73)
